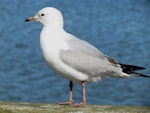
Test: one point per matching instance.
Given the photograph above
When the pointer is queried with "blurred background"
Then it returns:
(120, 29)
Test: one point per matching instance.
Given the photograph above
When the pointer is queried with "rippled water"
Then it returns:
(120, 29)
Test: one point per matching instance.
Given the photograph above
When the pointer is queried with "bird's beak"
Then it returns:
(31, 19)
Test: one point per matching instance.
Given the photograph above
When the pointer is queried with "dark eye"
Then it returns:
(42, 14)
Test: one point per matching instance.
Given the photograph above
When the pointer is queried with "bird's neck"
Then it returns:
(52, 34)
(56, 22)
(51, 40)
(54, 25)
(52, 29)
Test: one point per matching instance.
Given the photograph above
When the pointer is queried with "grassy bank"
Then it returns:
(11, 107)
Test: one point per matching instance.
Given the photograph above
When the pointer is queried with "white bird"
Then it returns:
(73, 58)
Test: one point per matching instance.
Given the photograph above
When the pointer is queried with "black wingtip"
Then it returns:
(129, 68)
(27, 20)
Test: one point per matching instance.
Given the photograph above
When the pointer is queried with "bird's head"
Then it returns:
(47, 16)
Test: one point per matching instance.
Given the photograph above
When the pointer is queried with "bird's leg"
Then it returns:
(70, 96)
(82, 104)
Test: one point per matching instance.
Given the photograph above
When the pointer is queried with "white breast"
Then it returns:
(51, 43)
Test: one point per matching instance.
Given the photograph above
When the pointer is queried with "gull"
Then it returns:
(73, 58)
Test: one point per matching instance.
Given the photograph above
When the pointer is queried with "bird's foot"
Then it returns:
(69, 103)
(82, 104)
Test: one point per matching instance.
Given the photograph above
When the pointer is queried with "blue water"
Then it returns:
(120, 29)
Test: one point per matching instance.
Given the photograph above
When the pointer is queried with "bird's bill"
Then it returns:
(31, 19)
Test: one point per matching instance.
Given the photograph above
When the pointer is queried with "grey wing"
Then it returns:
(84, 47)
(87, 64)
(82, 62)
(87, 59)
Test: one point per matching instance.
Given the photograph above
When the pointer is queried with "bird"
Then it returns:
(73, 58)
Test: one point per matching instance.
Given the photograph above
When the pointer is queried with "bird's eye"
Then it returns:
(42, 14)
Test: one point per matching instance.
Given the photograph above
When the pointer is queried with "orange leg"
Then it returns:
(70, 96)
(82, 104)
